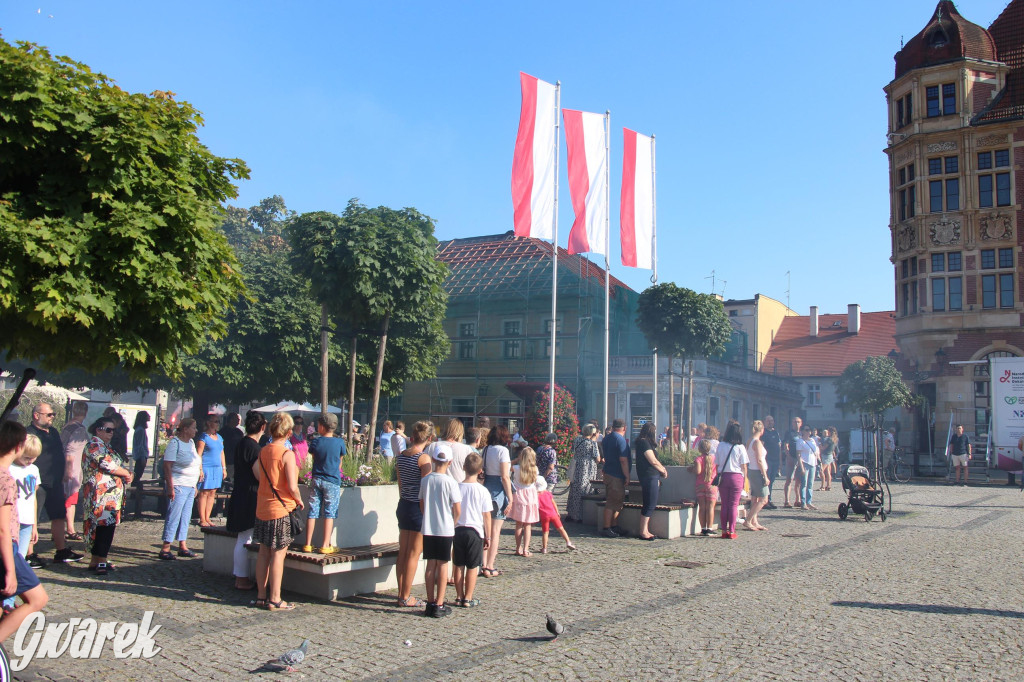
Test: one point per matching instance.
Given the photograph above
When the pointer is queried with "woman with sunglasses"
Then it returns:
(105, 479)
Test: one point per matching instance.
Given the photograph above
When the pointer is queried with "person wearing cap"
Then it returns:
(440, 504)
(325, 487)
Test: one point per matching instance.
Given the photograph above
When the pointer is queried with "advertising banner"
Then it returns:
(1007, 411)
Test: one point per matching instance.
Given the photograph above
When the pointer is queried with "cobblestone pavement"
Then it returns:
(933, 593)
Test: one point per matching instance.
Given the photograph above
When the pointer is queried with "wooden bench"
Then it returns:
(349, 571)
(140, 493)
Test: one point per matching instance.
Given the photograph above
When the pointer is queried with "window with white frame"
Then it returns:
(813, 395)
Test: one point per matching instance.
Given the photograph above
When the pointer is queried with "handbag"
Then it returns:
(295, 519)
(717, 480)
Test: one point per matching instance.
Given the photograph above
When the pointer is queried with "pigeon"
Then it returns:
(554, 627)
(287, 661)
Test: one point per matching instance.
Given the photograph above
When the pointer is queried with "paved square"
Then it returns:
(933, 593)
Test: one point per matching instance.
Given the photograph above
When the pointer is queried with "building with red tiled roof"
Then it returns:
(499, 323)
(815, 349)
(956, 172)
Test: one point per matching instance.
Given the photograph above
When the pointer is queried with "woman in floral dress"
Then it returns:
(587, 455)
(104, 479)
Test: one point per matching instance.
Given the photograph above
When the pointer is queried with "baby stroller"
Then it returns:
(865, 496)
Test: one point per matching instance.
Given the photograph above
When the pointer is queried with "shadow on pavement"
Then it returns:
(932, 608)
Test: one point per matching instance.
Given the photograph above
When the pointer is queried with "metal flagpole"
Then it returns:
(554, 267)
(607, 267)
(654, 273)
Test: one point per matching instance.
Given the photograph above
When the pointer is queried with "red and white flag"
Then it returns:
(636, 209)
(588, 180)
(533, 165)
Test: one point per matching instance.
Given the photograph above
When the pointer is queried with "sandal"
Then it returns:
(72, 536)
(187, 553)
(416, 603)
(469, 603)
(166, 556)
(259, 603)
(569, 547)
(110, 567)
(100, 568)
(280, 606)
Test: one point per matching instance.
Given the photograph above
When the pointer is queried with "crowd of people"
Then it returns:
(457, 488)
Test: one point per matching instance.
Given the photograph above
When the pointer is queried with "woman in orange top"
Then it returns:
(278, 495)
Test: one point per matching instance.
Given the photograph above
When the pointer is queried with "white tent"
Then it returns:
(283, 406)
(306, 407)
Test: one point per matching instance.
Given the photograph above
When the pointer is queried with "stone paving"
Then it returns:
(934, 593)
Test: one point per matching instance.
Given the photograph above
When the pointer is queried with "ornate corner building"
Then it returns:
(956, 177)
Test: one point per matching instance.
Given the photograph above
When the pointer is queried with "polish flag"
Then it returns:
(587, 159)
(636, 208)
(533, 165)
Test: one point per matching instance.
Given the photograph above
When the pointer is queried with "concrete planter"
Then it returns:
(366, 515)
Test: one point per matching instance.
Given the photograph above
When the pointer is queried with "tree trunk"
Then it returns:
(352, 392)
(377, 377)
(671, 402)
(324, 338)
(200, 408)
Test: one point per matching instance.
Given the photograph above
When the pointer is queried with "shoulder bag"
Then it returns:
(717, 481)
(295, 518)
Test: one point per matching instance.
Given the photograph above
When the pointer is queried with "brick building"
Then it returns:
(956, 172)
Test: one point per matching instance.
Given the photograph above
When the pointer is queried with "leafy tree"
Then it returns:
(270, 349)
(567, 426)
(109, 204)
(680, 322)
(383, 273)
(871, 386)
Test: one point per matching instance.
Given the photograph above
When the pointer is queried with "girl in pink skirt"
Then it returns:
(524, 509)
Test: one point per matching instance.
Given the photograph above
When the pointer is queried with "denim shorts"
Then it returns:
(324, 496)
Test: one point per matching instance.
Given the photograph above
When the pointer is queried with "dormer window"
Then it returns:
(938, 38)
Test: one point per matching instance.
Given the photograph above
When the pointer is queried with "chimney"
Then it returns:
(854, 312)
(814, 320)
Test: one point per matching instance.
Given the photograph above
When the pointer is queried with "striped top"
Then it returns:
(409, 475)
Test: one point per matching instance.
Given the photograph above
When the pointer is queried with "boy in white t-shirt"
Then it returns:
(26, 477)
(440, 500)
(471, 531)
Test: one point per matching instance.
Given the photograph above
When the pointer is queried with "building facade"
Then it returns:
(499, 322)
(956, 171)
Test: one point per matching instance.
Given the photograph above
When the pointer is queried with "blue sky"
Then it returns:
(769, 116)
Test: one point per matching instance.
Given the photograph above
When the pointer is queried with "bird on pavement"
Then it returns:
(554, 627)
(287, 661)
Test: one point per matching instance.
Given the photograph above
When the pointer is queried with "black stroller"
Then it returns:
(865, 496)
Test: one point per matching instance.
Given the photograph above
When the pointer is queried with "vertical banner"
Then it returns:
(1007, 429)
(588, 172)
(636, 209)
(534, 163)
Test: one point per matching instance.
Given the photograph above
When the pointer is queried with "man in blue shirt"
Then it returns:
(616, 478)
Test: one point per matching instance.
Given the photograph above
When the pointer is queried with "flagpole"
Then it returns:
(607, 250)
(554, 267)
(654, 273)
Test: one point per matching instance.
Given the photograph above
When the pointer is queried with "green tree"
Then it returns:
(109, 204)
(567, 426)
(679, 322)
(270, 349)
(871, 386)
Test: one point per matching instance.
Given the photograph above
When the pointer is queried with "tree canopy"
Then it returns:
(109, 205)
(873, 385)
(681, 322)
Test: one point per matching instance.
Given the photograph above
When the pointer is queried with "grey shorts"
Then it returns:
(615, 493)
(758, 486)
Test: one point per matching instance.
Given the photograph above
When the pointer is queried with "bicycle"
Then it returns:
(899, 469)
(562, 486)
